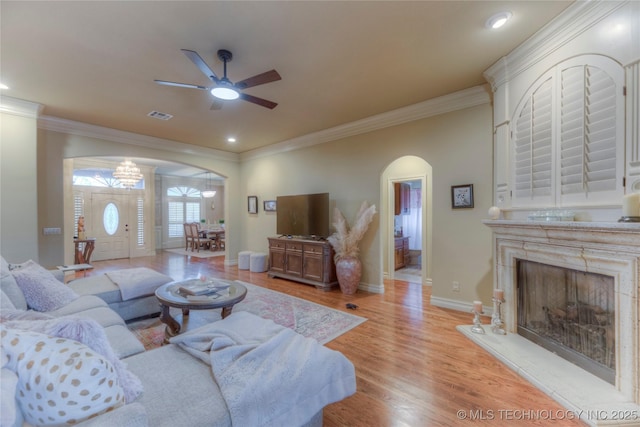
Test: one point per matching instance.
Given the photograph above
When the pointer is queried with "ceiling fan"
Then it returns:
(223, 88)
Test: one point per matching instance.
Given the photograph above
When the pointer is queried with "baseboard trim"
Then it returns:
(458, 305)
(368, 287)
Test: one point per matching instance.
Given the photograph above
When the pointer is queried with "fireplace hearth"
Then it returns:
(607, 255)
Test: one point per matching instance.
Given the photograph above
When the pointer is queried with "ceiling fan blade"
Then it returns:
(187, 85)
(260, 79)
(216, 104)
(197, 59)
(259, 101)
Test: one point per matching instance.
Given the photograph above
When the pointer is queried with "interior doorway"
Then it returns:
(407, 230)
(407, 174)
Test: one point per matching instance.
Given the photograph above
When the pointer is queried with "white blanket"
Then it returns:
(137, 282)
(268, 374)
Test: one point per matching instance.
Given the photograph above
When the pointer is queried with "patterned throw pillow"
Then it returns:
(41, 289)
(60, 381)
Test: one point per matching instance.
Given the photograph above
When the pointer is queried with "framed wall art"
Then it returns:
(253, 204)
(462, 196)
(269, 205)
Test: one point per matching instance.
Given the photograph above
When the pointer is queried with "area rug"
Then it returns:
(204, 253)
(305, 317)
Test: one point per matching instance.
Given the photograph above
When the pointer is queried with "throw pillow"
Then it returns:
(41, 289)
(10, 288)
(60, 381)
(90, 333)
(5, 302)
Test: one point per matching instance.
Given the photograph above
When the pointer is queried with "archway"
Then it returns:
(406, 168)
(144, 235)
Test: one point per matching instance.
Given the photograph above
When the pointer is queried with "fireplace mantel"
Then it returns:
(608, 248)
(622, 235)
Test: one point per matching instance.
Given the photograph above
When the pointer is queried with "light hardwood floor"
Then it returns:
(413, 368)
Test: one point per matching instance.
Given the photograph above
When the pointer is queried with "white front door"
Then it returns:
(110, 226)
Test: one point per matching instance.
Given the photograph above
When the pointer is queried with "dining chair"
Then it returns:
(188, 236)
(198, 240)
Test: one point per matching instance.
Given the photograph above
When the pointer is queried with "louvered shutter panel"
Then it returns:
(78, 209)
(533, 149)
(568, 136)
(591, 132)
(192, 211)
(140, 221)
(176, 220)
(588, 131)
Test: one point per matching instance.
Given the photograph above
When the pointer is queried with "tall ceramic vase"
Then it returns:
(349, 271)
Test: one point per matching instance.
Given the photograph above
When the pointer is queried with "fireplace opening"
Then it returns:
(569, 312)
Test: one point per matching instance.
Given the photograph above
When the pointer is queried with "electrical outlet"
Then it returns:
(51, 230)
(455, 286)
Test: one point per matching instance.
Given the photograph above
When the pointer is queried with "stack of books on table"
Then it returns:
(199, 287)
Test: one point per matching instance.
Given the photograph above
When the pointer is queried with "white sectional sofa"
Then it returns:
(169, 386)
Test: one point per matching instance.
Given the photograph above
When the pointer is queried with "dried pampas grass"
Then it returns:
(345, 240)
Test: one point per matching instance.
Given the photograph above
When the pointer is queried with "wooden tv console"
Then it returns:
(303, 260)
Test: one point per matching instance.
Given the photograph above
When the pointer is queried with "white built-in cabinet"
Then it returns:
(566, 107)
(566, 140)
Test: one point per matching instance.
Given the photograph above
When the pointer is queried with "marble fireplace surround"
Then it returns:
(611, 249)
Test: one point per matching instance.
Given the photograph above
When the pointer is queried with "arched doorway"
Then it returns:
(145, 213)
(402, 170)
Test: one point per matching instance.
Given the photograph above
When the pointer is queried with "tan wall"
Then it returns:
(19, 228)
(457, 145)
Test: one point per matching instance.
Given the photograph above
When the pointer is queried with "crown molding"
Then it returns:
(123, 137)
(19, 107)
(571, 23)
(467, 98)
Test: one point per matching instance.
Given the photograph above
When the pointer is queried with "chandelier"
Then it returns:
(128, 174)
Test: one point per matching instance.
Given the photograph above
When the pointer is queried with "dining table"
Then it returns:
(214, 236)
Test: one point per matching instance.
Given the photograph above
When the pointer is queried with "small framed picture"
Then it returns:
(462, 196)
(253, 204)
(269, 205)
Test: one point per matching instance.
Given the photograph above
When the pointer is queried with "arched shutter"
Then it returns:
(568, 136)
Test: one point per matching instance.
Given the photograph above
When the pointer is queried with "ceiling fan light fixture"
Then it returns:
(498, 20)
(225, 92)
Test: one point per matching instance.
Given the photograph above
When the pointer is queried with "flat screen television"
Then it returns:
(304, 215)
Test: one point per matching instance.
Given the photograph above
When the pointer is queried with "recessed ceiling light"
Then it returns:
(231, 139)
(498, 20)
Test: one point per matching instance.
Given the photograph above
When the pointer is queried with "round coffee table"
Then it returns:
(170, 295)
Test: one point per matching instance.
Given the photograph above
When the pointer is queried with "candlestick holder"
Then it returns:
(496, 318)
(629, 219)
(477, 325)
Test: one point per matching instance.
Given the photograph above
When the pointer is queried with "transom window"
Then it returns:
(183, 192)
(100, 177)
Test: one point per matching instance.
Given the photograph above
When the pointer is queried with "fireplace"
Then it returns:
(569, 312)
(607, 257)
